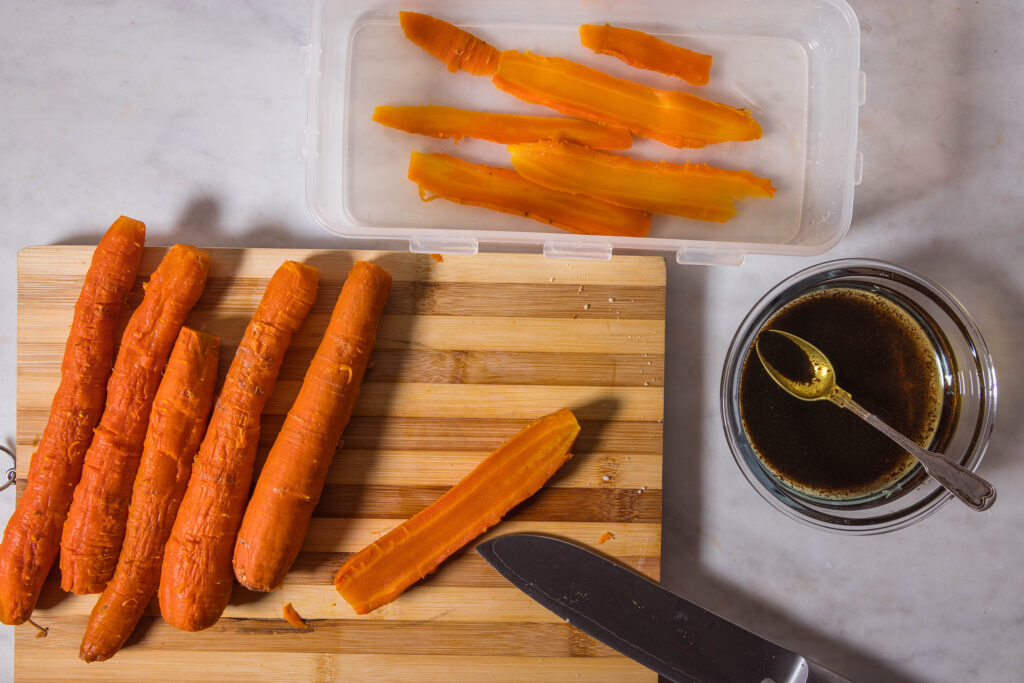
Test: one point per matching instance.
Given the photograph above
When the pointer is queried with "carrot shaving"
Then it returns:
(379, 573)
(449, 122)
(437, 257)
(690, 190)
(644, 51)
(605, 537)
(458, 49)
(292, 617)
(502, 189)
(32, 537)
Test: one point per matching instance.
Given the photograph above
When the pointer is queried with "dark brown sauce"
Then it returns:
(883, 357)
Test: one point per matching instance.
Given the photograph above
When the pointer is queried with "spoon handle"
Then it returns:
(958, 480)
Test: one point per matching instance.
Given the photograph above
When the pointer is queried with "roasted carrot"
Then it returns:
(292, 617)
(94, 530)
(176, 427)
(644, 51)
(379, 573)
(289, 487)
(196, 579)
(690, 190)
(453, 46)
(32, 537)
(676, 118)
(449, 122)
(502, 189)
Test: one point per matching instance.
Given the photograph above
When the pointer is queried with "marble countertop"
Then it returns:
(188, 115)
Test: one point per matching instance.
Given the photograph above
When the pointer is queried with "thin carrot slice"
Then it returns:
(691, 190)
(644, 51)
(502, 189)
(196, 578)
(379, 573)
(458, 49)
(32, 537)
(507, 129)
(289, 487)
(676, 118)
(95, 526)
(176, 427)
(292, 617)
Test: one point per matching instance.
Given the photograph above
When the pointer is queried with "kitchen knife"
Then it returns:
(642, 620)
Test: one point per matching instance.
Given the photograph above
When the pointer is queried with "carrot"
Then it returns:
(289, 487)
(195, 579)
(292, 617)
(379, 573)
(644, 51)
(676, 118)
(458, 49)
(502, 189)
(176, 427)
(32, 537)
(691, 190)
(449, 122)
(94, 529)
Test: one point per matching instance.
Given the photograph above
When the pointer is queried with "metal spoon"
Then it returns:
(961, 482)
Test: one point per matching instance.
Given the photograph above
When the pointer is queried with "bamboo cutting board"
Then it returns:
(470, 350)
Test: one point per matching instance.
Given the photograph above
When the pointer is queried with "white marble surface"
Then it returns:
(187, 115)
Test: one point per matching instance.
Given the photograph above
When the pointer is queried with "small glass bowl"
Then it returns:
(960, 347)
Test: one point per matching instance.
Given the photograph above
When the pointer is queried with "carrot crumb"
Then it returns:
(437, 257)
(41, 631)
(605, 537)
(292, 617)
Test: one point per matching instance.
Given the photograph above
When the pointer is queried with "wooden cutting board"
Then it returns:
(470, 350)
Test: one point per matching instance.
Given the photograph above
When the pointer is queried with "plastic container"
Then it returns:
(794, 63)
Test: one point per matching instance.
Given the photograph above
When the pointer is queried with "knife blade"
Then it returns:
(673, 636)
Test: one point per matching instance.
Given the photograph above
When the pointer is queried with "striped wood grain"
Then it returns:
(470, 350)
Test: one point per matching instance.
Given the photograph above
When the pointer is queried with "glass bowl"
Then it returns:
(970, 387)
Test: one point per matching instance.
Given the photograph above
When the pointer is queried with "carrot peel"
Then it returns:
(180, 410)
(380, 572)
(289, 487)
(644, 51)
(502, 189)
(690, 190)
(32, 537)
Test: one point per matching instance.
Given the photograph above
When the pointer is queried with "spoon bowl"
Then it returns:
(822, 380)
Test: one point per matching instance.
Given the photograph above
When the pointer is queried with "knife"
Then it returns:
(676, 638)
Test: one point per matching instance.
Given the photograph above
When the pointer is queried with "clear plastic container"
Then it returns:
(794, 63)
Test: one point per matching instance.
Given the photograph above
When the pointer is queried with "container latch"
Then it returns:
(703, 256)
(444, 245)
(578, 250)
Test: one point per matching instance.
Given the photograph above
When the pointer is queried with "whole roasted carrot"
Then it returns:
(379, 573)
(289, 487)
(196, 577)
(94, 529)
(32, 537)
(176, 427)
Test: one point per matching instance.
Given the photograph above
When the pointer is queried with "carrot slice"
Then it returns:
(507, 129)
(176, 427)
(289, 487)
(95, 526)
(458, 49)
(292, 617)
(502, 189)
(196, 578)
(676, 118)
(379, 573)
(644, 51)
(690, 190)
(32, 537)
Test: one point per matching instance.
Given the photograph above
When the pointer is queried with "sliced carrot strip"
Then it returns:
(379, 573)
(644, 51)
(453, 46)
(176, 427)
(95, 527)
(502, 189)
(507, 129)
(690, 190)
(676, 118)
(32, 537)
